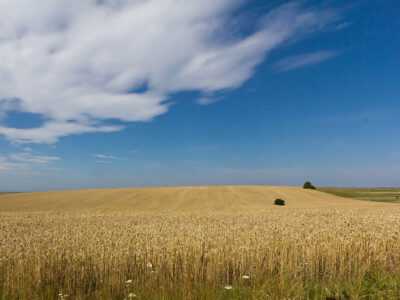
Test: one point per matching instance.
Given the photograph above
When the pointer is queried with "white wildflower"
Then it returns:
(129, 281)
(132, 295)
(246, 277)
(149, 265)
(228, 287)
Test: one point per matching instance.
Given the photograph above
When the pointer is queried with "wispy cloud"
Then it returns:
(104, 156)
(79, 64)
(6, 165)
(343, 25)
(25, 161)
(52, 131)
(302, 60)
(29, 158)
(206, 100)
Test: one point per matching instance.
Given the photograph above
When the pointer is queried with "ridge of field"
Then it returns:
(370, 194)
(176, 199)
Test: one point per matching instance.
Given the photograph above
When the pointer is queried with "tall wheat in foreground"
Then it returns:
(260, 254)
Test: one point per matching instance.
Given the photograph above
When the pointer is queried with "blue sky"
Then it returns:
(160, 93)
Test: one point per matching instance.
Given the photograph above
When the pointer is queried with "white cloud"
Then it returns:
(80, 63)
(52, 131)
(27, 162)
(29, 158)
(206, 100)
(6, 165)
(302, 60)
(104, 156)
(343, 25)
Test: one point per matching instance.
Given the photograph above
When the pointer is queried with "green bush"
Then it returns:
(308, 185)
(279, 202)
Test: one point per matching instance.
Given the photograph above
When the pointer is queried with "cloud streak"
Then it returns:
(6, 165)
(27, 162)
(207, 100)
(80, 64)
(104, 156)
(303, 60)
(29, 158)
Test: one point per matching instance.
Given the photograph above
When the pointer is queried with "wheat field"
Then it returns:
(236, 248)
(175, 199)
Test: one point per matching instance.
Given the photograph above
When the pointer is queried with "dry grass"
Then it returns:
(287, 252)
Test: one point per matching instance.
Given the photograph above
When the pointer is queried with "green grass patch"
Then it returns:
(368, 285)
(371, 194)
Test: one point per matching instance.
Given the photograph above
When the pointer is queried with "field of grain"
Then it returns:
(175, 199)
(370, 194)
(262, 252)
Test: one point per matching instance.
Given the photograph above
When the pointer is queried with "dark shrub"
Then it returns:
(308, 185)
(279, 202)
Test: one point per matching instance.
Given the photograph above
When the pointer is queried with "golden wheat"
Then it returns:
(176, 199)
(192, 255)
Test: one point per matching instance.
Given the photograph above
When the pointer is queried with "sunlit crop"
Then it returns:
(207, 255)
